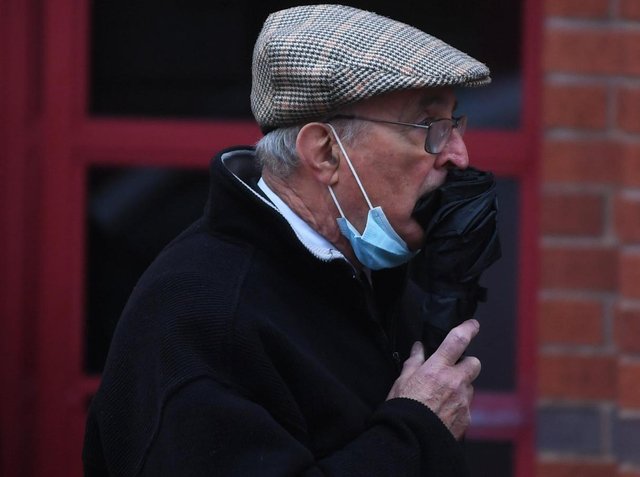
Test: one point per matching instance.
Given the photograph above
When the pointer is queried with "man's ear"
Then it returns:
(314, 147)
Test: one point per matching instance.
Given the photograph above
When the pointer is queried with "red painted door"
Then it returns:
(102, 98)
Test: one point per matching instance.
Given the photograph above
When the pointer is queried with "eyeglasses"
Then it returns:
(438, 130)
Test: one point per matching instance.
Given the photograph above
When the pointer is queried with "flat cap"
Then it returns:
(310, 60)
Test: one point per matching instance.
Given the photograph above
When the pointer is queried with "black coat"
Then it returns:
(240, 353)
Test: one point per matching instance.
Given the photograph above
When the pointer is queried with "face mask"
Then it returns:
(379, 246)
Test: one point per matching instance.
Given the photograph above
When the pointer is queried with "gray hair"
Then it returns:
(276, 151)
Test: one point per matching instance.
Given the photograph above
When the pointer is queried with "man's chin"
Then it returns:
(433, 183)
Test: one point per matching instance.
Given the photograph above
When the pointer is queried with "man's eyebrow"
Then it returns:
(433, 99)
(430, 100)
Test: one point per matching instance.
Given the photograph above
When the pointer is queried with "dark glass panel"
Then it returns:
(192, 58)
(132, 214)
(495, 345)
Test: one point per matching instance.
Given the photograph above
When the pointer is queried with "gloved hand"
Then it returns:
(461, 241)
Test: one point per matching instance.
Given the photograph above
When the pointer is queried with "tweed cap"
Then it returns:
(311, 60)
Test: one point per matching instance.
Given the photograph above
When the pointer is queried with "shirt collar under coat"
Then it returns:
(242, 205)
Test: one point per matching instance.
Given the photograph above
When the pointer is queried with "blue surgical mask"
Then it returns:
(379, 246)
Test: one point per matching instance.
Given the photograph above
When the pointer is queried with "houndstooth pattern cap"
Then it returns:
(313, 59)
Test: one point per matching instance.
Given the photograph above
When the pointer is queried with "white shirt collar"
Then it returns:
(316, 243)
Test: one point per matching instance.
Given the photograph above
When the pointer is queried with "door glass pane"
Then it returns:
(495, 345)
(192, 58)
(132, 214)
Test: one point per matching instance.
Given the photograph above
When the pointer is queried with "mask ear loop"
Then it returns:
(335, 201)
(353, 171)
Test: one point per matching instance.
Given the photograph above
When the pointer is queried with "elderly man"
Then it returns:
(280, 335)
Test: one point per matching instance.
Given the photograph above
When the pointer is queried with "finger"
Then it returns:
(415, 359)
(471, 367)
(456, 342)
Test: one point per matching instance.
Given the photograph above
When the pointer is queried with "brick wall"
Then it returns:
(589, 314)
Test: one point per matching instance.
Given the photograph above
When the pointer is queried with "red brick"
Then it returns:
(628, 101)
(575, 469)
(574, 51)
(630, 165)
(627, 218)
(589, 161)
(570, 322)
(629, 43)
(627, 330)
(630, 9)
(572, 214)
(578, 268)
(629, 274)
(577, 377)
(590, 50)
(628, 473)
(575, 106)
(629, 385)
(577, 8)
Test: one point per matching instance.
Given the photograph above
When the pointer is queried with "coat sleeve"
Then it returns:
(207, 429)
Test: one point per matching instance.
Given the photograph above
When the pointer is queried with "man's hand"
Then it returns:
(443, 382)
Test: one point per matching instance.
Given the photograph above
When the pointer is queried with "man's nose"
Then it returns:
(454, 153)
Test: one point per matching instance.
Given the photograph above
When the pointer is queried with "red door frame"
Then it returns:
(45, 158)
(20, 144)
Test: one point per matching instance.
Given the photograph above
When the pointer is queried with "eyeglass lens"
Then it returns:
(439, 133)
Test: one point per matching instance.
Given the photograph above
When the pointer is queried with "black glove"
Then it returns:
(461, 241)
